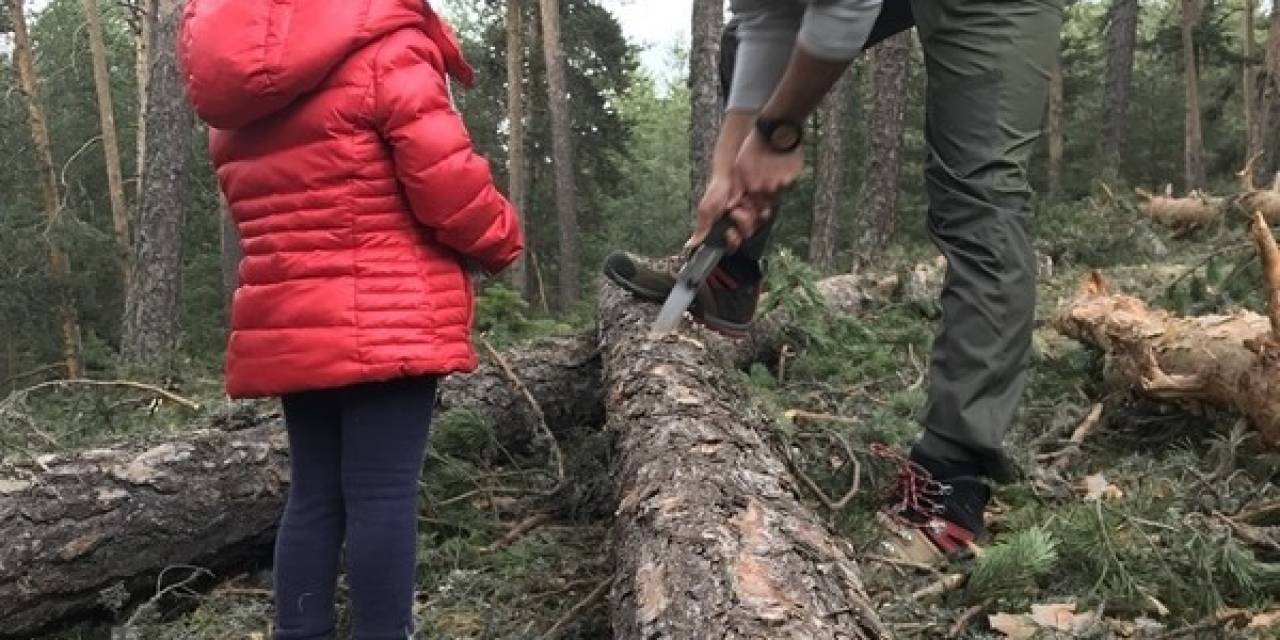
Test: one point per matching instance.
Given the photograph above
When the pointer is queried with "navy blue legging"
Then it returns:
(356, 454)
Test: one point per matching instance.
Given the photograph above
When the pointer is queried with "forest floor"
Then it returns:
(1138, 533)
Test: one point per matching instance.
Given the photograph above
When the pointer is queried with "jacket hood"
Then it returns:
(247, 59)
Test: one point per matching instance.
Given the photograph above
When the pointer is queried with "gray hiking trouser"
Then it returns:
(988, 64)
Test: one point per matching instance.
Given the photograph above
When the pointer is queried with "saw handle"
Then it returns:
(717, 237)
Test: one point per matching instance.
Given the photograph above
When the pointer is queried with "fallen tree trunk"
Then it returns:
(1231, 362)
(1194, 211)
(86, 542)
(1255, 199)
(86, 532)
(562, 374)
(710, 538)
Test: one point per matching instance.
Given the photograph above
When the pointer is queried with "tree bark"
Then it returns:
(829, 181)
(563, 374)
(150, 335)
(1194, 139)
(878, 213)
(516, 179)
(704, 93)
(1250, 95)
(87, 533)
(1121, 37)
(145, 16)
(232, 253)
(1271, 91)
(562, 154)
(1232, 362)
(59, 263)
(110, 142)
(710, 538)
(1055, 130)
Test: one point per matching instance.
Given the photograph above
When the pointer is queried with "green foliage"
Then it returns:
(504, 317)
(1015, 565)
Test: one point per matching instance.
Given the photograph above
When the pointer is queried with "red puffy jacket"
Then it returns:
(353, 184)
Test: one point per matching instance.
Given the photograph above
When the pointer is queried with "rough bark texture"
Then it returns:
(1232, 362)
(232, 253)
(88, 532)
(59, 263)
(110, 141)
(1121, 36)
(1270, 89)
(516, 179)
(1250, 95)
(91, 528)
(1194, 139)
(879, 203)
(1055, 130)
(710, 538)
(562, 153)
(829, 181)
(145, 20)
(151, 305)
(704, 93)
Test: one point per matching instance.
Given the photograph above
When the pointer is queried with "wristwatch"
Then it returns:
(783, 136)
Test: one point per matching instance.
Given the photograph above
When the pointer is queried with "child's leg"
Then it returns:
(310, 536)
(384, 437)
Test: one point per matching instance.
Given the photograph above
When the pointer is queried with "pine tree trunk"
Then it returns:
(59, 263)
(562, 153)
(710, 538)
(829, 181)
(142, 47)
(1055, 131)
(151, 304)
(1271, 89)
(1194, 140)
(1121, 36)
(516, 180)
(704, 93)
(878, 211)
(232, 253)
(1250, 95)
(110, 142)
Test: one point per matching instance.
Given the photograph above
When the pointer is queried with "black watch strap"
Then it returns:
(781, 135)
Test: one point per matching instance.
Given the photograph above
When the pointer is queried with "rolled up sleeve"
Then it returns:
(768, 31)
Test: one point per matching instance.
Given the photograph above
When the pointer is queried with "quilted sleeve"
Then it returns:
(449, 187)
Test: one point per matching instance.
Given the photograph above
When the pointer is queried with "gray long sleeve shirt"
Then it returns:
(768, 30)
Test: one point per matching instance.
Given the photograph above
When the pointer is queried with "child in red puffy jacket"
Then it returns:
(358, 199)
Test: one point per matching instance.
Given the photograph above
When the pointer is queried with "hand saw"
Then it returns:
(691, 277)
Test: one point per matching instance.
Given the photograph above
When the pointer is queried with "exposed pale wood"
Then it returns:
(1229, 361)
(1270, 256)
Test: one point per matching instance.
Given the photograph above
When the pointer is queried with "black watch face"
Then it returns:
(785, 137)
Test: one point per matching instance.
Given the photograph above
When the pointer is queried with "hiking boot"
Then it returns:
(726, 302)
(930, 521)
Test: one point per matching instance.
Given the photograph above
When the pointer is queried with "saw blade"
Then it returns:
(673, 309)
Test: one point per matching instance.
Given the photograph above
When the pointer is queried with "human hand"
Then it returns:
(723, 197)
(762, 173)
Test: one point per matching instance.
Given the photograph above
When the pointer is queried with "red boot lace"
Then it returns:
(916, 492)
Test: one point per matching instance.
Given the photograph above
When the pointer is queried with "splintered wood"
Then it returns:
(710, 537)
(1228, 361)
